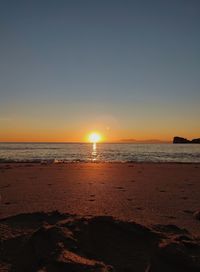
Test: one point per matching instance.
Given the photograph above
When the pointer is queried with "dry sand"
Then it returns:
(162, 197)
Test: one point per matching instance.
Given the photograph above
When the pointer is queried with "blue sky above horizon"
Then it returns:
(128, 69)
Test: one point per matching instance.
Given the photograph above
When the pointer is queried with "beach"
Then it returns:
(150, 194)
(144, 192)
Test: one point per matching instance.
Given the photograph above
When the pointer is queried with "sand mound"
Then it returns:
(61, 242)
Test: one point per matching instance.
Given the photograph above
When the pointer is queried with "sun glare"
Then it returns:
(94, 137)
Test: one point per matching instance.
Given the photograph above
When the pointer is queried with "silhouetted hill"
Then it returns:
(180, 140)
(196, 141)
(147, 141)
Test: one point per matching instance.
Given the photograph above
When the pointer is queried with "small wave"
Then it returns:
(36, 153)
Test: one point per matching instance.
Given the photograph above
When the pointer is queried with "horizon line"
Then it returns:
(84, 142)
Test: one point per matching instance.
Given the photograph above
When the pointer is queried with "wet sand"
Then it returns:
(151, 194)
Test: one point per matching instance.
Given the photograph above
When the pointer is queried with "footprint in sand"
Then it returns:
(184, 197)
(188, 211)
(139, 208)
(6, 186)
(119, 188)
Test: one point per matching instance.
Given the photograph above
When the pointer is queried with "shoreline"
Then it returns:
(52, 162)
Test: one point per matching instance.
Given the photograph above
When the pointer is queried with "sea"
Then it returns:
(100, 152)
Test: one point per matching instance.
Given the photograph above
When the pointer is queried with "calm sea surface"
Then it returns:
(36, 152)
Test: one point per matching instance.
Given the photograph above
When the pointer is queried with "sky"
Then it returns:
(128, 69)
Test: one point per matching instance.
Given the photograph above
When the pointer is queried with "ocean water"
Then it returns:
(105, 152)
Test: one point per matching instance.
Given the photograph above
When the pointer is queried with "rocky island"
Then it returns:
(180, 140)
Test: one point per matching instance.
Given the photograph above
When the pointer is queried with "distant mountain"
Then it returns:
(180, 140)
(148, 141)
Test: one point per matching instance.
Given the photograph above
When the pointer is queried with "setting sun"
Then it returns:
(94, 137)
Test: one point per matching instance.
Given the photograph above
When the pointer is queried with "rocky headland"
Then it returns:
(180, 140)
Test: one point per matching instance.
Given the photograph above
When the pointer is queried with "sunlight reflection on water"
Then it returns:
(94, 152)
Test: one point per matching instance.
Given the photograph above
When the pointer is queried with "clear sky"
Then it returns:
(128, 69)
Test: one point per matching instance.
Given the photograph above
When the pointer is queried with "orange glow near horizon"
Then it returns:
(30, 134)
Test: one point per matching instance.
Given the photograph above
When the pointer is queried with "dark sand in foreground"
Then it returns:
(147, 193)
